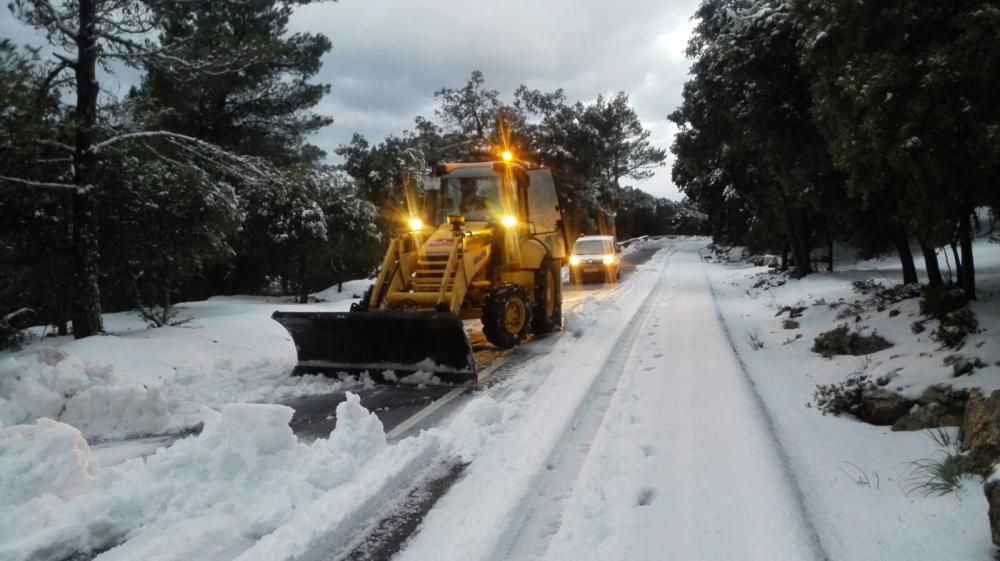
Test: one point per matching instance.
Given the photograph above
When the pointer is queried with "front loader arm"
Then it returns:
(385, 274)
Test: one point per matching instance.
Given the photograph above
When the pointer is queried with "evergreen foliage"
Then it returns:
(871, 123)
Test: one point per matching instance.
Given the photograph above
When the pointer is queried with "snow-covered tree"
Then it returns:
(83, 35)
(311, 227)
(749, 93)
(260, 104)
(162, 224)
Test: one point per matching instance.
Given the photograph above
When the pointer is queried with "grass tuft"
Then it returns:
(940, 475)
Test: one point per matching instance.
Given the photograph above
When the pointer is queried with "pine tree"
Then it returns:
(83, 35)
(261, 104)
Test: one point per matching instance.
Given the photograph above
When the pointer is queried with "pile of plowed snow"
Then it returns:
(138, 381)
(245, 487)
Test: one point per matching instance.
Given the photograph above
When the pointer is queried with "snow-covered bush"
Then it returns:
(163, 224)
(842, 397)
(10, 338)
(954, 328)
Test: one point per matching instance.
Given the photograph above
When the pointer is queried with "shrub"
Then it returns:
(954, 328)
(841, 341)
(938, 302)
(842, 397)
(10, 337)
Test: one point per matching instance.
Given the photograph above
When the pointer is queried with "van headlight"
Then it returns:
(574, 260)
(609, 259)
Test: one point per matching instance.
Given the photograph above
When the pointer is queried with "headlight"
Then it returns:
(416, 224)
(508, 221)
(574, 260)
(609, 259)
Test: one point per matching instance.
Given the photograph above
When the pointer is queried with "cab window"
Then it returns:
(543, 205)
(592, 247)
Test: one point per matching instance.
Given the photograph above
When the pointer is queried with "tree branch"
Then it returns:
(43, 184)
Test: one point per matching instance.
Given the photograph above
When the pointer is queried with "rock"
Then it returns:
(962, 367)
(886, 378)
(981, 431)
(978, 362)
(796, 312)
(992, 490)
(951, 359)
(893, 313)
(883, 407)
(946, 396)
(939, 406)
(841, 341)
(790, 324)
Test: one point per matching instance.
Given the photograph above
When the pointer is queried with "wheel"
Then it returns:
(366, 298)
(546, 315)
(506, 316)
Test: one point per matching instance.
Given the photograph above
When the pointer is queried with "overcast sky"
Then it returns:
(389, 56)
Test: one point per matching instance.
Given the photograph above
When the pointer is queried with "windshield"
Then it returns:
(592, 247)
(476, 198)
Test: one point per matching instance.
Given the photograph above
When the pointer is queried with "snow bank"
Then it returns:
(241, 478)
(47, 458)
(245, 487)
(86, 395)
(352, 289)
(139, 381)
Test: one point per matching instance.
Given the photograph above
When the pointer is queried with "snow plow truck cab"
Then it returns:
(489, 244)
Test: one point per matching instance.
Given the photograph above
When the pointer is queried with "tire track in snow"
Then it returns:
(481, 514)
(772, 434)
(684, 467)
(542, 516)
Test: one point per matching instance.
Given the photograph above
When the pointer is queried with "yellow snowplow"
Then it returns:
(489, 244)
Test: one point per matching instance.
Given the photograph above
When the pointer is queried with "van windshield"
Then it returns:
(592, 247)
(476, 198)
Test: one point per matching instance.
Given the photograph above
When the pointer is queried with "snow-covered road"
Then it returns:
(648, 445)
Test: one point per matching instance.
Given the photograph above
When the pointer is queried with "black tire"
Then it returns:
(366, 298)
(546, 316)
(506, 316)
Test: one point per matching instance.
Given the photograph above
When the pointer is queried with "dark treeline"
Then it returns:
(869, 123)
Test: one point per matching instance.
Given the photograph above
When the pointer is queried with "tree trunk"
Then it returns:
(958, 263)
(902, 244)
(799, 236)
(166, 302)
(87, 318)
(934, 279)
(784, 256)
(303, 290)
(829, 263)
(965, 234)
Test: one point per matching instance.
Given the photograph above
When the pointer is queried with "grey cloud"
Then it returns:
(390, 56)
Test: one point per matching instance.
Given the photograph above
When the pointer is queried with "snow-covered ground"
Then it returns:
(138, 381)
(856, 477)
(647, 429)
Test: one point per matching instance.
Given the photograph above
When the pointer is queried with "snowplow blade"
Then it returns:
(378, 342)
